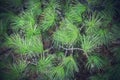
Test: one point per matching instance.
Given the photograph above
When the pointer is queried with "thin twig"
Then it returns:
(48, 49)
(70, 48)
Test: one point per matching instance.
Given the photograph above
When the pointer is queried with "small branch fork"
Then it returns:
(66, 49)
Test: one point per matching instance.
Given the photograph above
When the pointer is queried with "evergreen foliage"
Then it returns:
(95, 61)
(67, 33)
(59, 40)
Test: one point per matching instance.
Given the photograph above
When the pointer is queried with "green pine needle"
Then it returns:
(75, 13)
(89, 43)
(66, 34)
(25, 46)
(95, 62)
